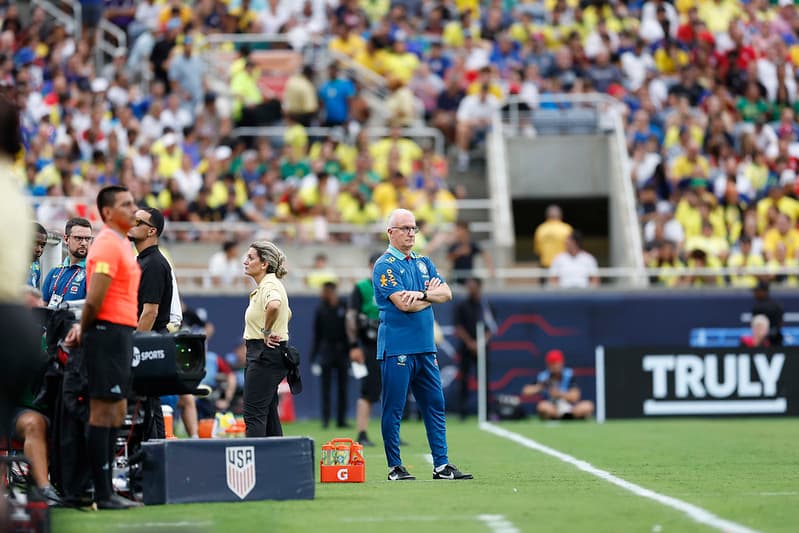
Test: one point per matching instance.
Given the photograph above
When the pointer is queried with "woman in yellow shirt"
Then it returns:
(266, 335)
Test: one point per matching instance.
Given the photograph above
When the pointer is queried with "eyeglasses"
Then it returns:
(407, 229)
(81, 239)
(139, 222)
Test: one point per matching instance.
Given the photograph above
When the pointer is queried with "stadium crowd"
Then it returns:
(708, 88)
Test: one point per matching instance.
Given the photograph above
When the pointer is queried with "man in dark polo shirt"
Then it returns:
(155, 301)
(155, 289)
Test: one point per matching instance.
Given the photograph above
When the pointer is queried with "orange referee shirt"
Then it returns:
(112, 255)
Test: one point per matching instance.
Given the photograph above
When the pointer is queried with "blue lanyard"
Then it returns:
(68, 283)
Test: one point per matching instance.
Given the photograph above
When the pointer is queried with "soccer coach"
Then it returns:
(106, 333)
(406, 285)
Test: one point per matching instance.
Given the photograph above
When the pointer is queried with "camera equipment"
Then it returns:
(171, 363)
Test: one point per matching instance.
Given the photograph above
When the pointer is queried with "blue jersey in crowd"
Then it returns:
(335, 95)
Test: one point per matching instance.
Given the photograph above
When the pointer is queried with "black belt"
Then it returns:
(259, 342)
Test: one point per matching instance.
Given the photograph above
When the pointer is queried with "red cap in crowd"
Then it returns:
(554, 357)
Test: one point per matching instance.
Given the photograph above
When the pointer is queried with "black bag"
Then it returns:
(291, 358)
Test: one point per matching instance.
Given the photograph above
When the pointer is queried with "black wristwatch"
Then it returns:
(424, 295)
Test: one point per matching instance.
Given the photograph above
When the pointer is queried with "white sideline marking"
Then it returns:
(498, 523)
(777, 493)
(164, 525)
(697, 514)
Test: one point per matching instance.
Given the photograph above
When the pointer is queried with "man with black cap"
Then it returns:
(764, 305)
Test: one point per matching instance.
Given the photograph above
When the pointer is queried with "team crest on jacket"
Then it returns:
(240, 469)
(401, 359)
(422, 267)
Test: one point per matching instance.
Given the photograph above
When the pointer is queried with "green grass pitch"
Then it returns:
(745, 471)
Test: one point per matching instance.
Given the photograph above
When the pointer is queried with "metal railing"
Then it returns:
(104, 44)
(277, 132)
(510, 279)
(71, 21)
(632, 230)
(602, 104)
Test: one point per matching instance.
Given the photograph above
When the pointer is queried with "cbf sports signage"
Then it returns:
(646, 382)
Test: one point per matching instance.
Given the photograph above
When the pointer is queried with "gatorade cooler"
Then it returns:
(342, 462)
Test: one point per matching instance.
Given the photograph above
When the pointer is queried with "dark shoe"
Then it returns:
(451, 471)
(117, 502)
(51, 497)
(400, 473)
(363, 440)
(403, 443)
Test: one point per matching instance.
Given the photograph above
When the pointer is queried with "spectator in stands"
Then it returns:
(784, 233)
(224, 267)
(320, 273)
(550, 236)
(186, 72)
(574, 268)
(252, 106)
(474, 116)
(299, 96)
(447, 103)
(699, 259)
(744, 257)
(334, 97)
(462, 252)
(561, 397)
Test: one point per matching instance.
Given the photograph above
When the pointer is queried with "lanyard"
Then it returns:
(68, 283)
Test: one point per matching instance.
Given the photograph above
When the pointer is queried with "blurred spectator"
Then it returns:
(225, 267)
(462, 252)
(550, 236)
(320, 273)
(574, 268)
(469, 312)
(334, 97)
(473, 122)
(330, 352)
(765, 305)
(299, 96)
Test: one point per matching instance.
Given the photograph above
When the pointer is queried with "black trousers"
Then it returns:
(342, 379)
(264, 372)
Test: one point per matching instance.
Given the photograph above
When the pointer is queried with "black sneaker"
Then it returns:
(117, 502)
(451, 471)
(400, 473)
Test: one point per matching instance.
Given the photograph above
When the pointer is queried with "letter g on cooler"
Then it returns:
(343, 474)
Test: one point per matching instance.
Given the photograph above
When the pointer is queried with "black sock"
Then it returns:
(361, 435)
(99, 443)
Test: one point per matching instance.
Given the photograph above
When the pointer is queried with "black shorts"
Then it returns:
(371, 384)
(108, 353)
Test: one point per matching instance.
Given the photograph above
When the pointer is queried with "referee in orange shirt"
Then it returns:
(106, 334)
